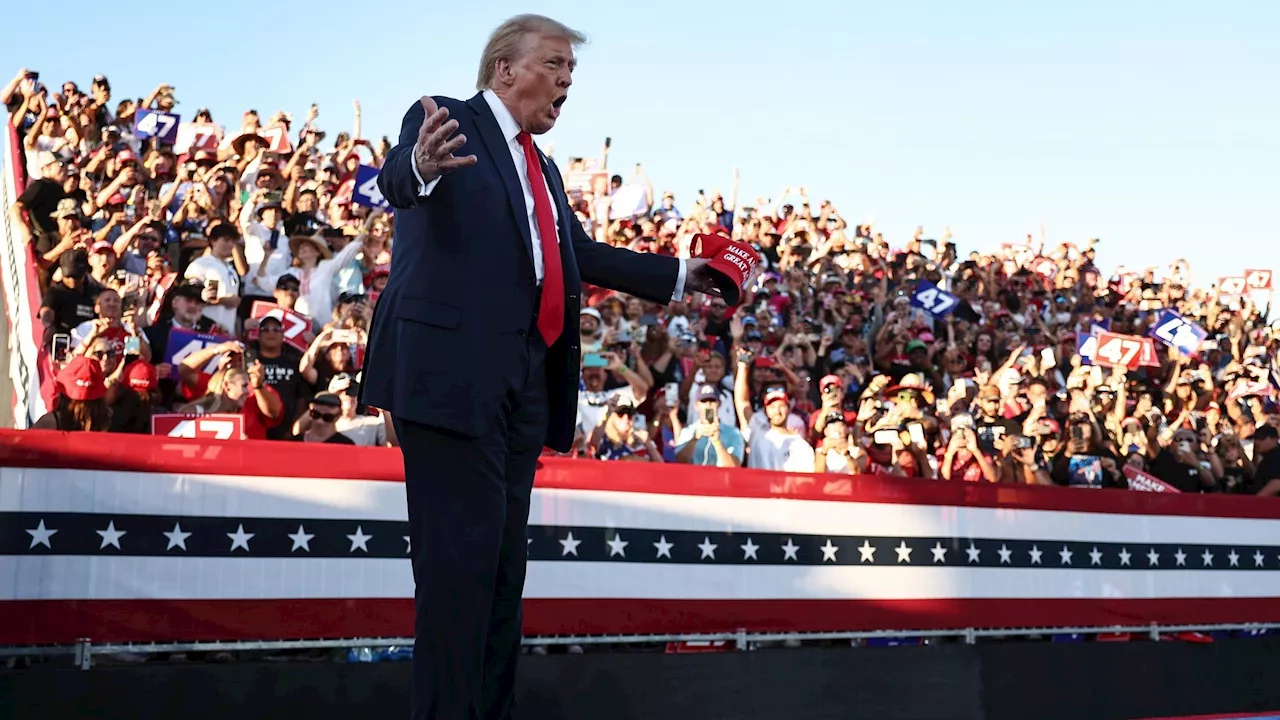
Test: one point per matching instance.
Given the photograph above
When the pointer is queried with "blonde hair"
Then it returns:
(506, 43)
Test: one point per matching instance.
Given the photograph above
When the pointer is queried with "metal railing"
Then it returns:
(85, 649)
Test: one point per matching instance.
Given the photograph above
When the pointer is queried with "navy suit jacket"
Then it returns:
(448, 335)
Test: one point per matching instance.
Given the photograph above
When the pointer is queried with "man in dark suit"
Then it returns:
(474, 350)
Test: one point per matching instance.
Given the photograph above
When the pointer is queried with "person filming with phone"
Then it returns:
(710, 441)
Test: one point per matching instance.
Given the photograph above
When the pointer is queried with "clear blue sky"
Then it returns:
(1152, 125)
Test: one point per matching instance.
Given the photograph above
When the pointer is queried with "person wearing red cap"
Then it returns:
(779, 446)
(831, 389)
(132, 410)
(81, 403)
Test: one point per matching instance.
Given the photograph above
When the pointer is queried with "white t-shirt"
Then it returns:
(364, 430)
(776, 449)
(208, 267)
(592, 405)
(759, 423)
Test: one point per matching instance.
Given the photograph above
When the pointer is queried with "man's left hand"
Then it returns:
(699, 277)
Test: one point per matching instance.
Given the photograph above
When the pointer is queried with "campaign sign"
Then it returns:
(197, 136)
(1179, 332)
(277, 138)
(1127, 351)
(184, 342)
(153, 123)
(366, 190)
(295, 324)
(216, 426)
(1146, 482)
(1087, 345)
(1257, 279)
(933, 300)
(1231, 286)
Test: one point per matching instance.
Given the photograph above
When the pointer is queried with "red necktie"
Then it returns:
(551, 311)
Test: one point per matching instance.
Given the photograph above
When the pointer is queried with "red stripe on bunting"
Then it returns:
(65, 621)
(47, 449)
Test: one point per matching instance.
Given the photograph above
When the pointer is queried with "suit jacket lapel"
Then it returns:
(491, 136)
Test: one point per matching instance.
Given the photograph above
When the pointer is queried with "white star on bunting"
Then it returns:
(570, 546)
(110, 536)
(664, 547)
(1153, 558)
(1180, 557)
(1064, 555)
(1095, 556)
(408, 546)
(177, 538)
(904, 552)
(1234, 557)
(749, 550)
(301, 539)
(240, 539)
(359, 540)
(617, 546)
(1207, 557)
(1258, 559)
(1005, 554)
(40, 535)
(789, 551)
(867, 551)
(973, 552)
(708, 549)
(1035, 554)
(939, 552)
(1125, 555)
(829, 551)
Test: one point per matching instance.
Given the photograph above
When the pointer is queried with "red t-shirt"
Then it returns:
(255, 423)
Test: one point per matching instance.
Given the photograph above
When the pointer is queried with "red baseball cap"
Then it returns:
(733, 263)
(141, 375)
(102, 246)
(775, 395)
(829, 380)
(81, 379)
(125, 156)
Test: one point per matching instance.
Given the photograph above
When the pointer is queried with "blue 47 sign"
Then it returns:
(935, 301)
(366, 190)
(1179, 332)
(153, 123)
(185, 342)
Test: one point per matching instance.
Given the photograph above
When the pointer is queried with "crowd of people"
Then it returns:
(840, 360)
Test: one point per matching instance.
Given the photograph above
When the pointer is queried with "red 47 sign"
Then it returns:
(199, 427)
(1231, 286)
(1257, 279)
(1125, 351)
(295, 324)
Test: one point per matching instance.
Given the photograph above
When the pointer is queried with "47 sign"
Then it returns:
(1179, 332)
(366, 190)
(1126, 351)
(199, 427)
(933, 300)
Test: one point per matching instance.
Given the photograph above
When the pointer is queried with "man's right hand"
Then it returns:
(433, 153)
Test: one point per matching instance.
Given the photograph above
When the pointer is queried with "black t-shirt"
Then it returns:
(1268, 470)
(1183, 477)
(991, 431)
(41, 200)
(1236, 481)
(131, 415)
(283, 376)
(70, 307)
(336, 439)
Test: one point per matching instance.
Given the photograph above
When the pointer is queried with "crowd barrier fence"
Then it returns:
(108, 540)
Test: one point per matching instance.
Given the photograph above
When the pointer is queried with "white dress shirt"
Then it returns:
(510, 130)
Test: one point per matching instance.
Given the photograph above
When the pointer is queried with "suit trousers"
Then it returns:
(468, 516)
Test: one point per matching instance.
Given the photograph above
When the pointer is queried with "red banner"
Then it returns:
(199, 427)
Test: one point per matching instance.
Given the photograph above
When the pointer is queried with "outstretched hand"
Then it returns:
(699, 277)
(434, 151)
